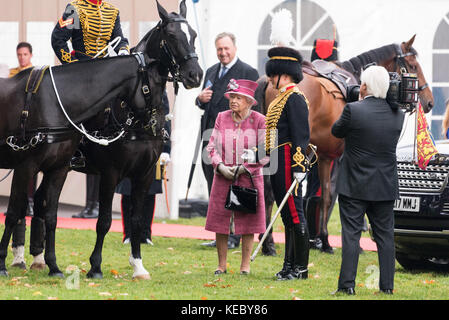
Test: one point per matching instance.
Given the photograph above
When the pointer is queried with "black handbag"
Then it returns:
(240, 198)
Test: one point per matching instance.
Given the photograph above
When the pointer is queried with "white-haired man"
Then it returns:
(368, 181)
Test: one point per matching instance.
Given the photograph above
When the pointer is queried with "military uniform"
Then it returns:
(90, 25)
(287, 138)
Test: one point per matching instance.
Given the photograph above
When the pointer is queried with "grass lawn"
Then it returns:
(182, 269)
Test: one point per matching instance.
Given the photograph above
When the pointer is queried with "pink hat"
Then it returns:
(243, 87)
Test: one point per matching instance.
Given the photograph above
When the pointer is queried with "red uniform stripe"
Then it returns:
(288, 183)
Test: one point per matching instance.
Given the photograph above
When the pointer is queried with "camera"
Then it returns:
(403, 90)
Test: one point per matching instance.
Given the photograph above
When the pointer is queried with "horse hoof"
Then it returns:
(37, 266)
(142, 277)
(94, 275)
(20, 265)
(57, 274)
(3, 273)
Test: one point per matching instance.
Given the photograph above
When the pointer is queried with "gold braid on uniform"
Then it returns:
(298, 157)
(67, 57)
(274, 113)
(97, 23)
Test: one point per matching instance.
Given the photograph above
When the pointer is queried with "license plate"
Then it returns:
(410, 204)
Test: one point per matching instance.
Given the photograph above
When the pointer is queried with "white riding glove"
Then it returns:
(164, 158)
(249, 155)
(299, 176)
(226, 171)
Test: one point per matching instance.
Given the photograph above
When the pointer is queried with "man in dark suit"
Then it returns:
(368, 181)
(212, 99)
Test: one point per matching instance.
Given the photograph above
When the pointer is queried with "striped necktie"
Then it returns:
(223, 72)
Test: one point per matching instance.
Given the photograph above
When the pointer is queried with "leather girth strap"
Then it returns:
(32, 86)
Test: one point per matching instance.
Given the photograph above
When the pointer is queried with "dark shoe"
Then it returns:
(301, 273)
(209, 244)
(244, 273)
(286, 275)
(316, 244)
(326, 247)
(218, 272)
(269, 250)
(85, 211)
(386, 291)
(348, 291)
(94, 212)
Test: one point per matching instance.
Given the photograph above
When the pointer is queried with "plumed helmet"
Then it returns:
(284, 60)
(325, 49)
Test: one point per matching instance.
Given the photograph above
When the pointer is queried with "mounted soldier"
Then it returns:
(93, 26)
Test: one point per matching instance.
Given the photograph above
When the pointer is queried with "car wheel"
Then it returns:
(409, 263)
(434, 264)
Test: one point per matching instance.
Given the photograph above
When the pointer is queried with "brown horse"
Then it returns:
(325, 108)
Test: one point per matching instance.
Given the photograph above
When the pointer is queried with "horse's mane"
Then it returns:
(356, 64)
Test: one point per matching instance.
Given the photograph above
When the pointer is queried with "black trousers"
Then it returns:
(381, 218)
(293, 211)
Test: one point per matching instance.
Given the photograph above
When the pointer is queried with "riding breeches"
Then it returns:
(292, 213)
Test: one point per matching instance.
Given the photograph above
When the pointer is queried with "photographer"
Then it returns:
(368, 181)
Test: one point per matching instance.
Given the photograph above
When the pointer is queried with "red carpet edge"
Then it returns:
(181, 231)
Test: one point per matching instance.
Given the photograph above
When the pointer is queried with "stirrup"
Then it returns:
(78, 160)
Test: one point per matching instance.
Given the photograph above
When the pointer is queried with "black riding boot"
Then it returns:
(92, 191)
(301, 251)
(325, 246)
(312, 210)
(286, 272)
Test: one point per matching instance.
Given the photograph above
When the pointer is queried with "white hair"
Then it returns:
(281, 28)
(377, 81)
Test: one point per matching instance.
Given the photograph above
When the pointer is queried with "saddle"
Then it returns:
(344, 80)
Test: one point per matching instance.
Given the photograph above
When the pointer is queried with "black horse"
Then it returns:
(46, 141)
(171, 48)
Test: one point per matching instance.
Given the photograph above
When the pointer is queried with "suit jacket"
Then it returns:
(371, 130)
(218, 103)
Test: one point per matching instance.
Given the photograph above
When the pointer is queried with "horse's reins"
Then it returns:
(400, 60)
(173, 65)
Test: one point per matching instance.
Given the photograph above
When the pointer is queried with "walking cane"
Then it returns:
(195, 157)
(273, 220)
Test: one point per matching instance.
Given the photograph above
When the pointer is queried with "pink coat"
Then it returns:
(226, 145)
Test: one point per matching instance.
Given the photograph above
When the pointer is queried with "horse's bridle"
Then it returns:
(173, 65)
(400, 61)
